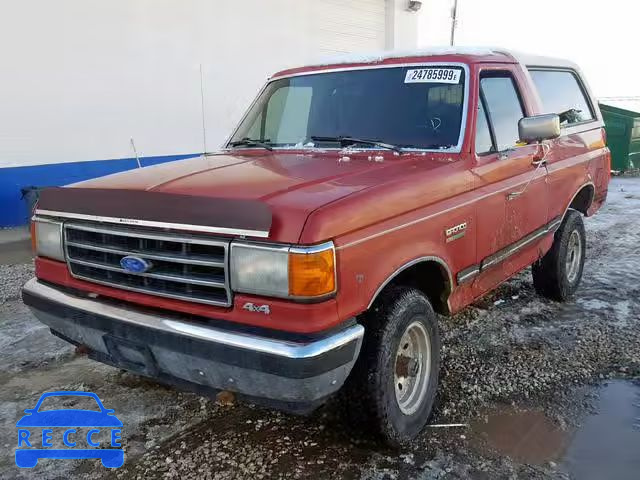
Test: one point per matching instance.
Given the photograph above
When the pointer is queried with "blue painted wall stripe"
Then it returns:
(13, 209)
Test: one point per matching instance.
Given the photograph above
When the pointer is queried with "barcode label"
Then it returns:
(433, 75)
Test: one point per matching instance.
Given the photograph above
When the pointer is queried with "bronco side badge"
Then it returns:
(454, 233)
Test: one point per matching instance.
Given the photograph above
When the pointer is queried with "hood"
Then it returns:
(291, 184)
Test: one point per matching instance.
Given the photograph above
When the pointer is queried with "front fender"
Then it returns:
(365, 269)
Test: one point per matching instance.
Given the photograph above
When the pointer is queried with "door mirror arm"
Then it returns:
(540, 157)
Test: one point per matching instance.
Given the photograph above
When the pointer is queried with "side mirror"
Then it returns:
(539, 127)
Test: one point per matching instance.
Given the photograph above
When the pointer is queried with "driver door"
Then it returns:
(512, 192)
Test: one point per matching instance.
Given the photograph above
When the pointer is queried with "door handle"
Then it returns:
(514, 195)
(537, 163)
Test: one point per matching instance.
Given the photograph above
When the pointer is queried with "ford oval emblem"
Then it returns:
(133, 264)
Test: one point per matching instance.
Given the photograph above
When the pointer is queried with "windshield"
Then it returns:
(410, 107)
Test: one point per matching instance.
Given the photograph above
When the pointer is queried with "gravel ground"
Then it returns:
(510, 349)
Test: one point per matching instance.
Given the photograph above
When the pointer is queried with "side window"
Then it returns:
(484, 142)
(561, 93)
(504, 109)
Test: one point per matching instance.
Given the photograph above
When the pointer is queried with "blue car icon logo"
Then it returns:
(67, 423)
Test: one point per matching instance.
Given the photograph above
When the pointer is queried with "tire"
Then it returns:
(401, 314)
(558, 274)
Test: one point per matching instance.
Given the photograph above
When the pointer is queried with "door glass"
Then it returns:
(484, 143)
(505, 110)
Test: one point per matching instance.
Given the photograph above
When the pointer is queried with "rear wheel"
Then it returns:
(397, 371)
(558, 274)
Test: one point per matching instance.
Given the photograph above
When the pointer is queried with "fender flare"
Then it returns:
(409, 264)
(593, 194)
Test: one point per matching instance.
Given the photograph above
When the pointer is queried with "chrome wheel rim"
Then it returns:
(412, 368)
(574, 256)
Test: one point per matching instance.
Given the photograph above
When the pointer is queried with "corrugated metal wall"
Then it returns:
(343, 27)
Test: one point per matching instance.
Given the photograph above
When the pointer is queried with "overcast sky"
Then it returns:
(602, 36)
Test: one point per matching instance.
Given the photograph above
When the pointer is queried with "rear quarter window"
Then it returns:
(562, 93)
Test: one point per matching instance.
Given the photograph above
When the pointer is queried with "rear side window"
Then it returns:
(504, 108)
(561, 93)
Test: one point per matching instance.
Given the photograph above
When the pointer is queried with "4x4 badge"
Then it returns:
(252, 307)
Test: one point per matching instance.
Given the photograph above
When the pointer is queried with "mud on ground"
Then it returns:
(511, 352)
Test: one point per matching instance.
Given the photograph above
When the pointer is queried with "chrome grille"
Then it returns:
(185, 267)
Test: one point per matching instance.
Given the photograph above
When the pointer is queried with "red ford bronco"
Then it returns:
(353, 203)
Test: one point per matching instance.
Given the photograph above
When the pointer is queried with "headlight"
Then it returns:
(283, 271)
(260, 270)
(48, 238)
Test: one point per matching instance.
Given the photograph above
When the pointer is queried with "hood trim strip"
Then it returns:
(150, 223)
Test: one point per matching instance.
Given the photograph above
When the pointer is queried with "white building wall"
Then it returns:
(79, 78)
(401, 25)
(85, 76)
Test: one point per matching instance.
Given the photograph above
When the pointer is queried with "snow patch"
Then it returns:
(593, 304)
(349, 150)
(379, 56)
(374, 57)
(622, 311)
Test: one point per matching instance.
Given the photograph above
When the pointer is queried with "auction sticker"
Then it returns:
(433, 75)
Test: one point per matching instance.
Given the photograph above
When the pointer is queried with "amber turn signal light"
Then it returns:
(312, 274)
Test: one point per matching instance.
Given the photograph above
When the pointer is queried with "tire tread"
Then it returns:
(376, 352)
(549, 278)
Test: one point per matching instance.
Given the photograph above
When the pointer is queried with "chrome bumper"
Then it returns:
(178, 350)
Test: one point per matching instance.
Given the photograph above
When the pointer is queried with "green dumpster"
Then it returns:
(623, 137)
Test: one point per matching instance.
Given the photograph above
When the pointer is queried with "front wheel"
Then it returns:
(558, 274)
(398, 367)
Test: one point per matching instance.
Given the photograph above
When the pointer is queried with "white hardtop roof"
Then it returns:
(542, 61)
(373, 57)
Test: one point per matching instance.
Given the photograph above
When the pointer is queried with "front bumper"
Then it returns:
(190, 353)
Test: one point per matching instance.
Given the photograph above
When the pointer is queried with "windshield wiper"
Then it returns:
(346, 141)
(252, 142)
